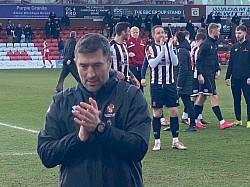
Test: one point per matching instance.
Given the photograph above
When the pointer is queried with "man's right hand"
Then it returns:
(68, 62)
(227, 82)
(143, 82)
(201, 79)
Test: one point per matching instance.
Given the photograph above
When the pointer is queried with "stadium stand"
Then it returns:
(34, 51)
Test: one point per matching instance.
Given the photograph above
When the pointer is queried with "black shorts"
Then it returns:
(164, 95)
(209, 86)
(196, 88)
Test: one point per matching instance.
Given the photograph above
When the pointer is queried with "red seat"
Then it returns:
(27, 57)
(17, 53)
(24, 53)
(13, 57)
(9, 53)
(223, 59)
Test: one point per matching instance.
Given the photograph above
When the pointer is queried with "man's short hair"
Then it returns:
(212, 26)
(154, 27)
(186, 33)
(180, 35)
(202, 30)
(120, 27)
(241, 28)
(72, 34)
(90, 43)
(200, 36)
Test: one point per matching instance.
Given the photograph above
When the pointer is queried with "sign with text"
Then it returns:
(29, 11)
(98, 12)
(165, 11)
(242, 11)
(195, 12)
(86, 12)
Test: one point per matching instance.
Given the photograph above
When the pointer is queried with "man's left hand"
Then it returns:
(135, 82)
(87, 115)
(217, 74)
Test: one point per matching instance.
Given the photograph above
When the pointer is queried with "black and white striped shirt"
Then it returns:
(194, 53)
(120, 58)
(161, 61)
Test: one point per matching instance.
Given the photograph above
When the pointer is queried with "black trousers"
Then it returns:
(190, 108)
(238, 86)
(136, 70)
(66, 69)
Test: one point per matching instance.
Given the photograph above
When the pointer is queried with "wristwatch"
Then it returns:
(100, 128)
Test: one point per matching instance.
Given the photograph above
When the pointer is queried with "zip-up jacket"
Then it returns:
(239, 61)
(136, 46)
(185, 75)
(207, 60)
(108, 160)
(69, 50)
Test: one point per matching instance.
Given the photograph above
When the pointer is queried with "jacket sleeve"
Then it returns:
(144, 68)
(183, 67)
(132, 142)
(230, 65)
(200, 58)
(173, 56)
(54, 147)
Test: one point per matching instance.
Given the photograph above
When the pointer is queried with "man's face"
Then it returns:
(126, 34)
(93, 69)
(135, 33)
(158, 34)
(240, 35)
(215, 33)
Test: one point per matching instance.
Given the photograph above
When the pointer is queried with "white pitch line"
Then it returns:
(19, 128)
(17, 154)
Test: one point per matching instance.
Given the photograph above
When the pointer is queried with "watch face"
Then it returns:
(100, 128)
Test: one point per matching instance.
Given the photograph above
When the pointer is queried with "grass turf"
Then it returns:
(214, 157)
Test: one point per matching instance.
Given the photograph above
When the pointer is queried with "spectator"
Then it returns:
(148, 23)
(106, 31)
(8, 23)
(190, 29)
(61, 47)
(217, 18)
(137, 20)
(48, 28)
(9, 32)
(203, 21)
(18, 31)
(210, 18)
(56, 29)
(108, 19)
(157, 19)
(123, 18)
(65, 21)
(28, 33)
(52, 16)
(169, 31)
(236, 19)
